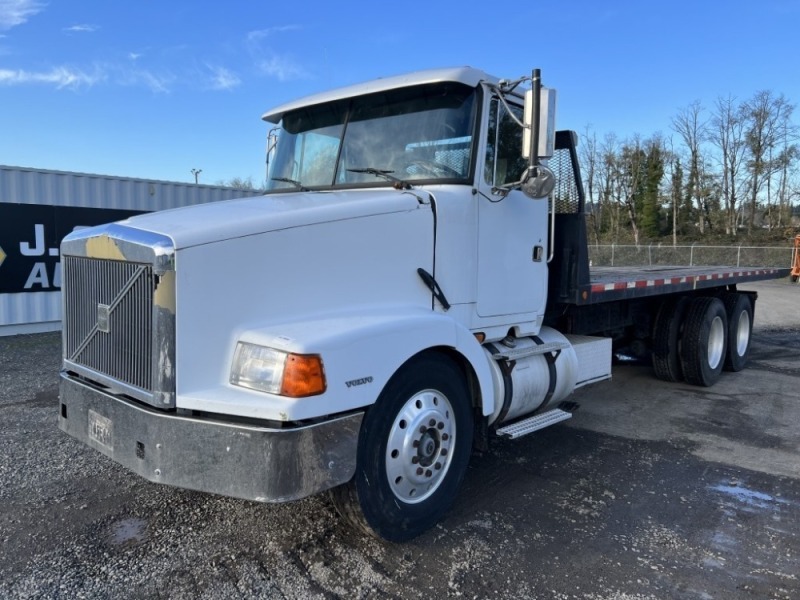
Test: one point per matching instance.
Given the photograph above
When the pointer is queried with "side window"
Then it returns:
(504, 163)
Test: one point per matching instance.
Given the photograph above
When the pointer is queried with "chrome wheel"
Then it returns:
(419, 447)
(742, 340)
(716, 342)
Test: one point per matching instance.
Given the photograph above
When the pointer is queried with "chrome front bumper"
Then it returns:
(232, 459)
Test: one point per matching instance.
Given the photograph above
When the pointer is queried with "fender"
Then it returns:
(360, 349)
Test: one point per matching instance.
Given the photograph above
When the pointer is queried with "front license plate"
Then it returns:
(101, 430)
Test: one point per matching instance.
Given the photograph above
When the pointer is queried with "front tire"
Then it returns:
(413, 451)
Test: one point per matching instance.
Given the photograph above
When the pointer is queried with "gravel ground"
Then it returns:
(651, 491)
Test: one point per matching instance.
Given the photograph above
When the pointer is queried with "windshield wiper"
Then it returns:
(294, 182)
(385, 174)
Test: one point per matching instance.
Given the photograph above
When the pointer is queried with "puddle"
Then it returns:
(128, 531)
(750, 498)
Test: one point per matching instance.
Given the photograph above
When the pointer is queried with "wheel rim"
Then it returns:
(743, 333)
(419, 447)
(716, 342)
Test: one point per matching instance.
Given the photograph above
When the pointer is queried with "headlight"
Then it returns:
(276, 372)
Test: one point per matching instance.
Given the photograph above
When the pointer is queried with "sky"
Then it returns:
(156, 89)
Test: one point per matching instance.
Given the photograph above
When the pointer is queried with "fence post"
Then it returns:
(612, 253)
(691, 255)
(739, 255)
(650, 254)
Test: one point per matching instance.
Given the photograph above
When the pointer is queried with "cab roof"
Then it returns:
(466, 75)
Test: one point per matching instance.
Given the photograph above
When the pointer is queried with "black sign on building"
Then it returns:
(30, 235)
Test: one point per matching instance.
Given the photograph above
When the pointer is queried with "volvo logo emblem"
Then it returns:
(103, 322)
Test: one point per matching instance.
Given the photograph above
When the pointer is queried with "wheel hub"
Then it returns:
(716, 342)
(418, 450)
(429, 445)
(743, 333)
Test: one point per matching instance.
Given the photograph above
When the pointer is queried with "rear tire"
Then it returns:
(666, 338)
(704, 341)
(739, 309)
(413, 452)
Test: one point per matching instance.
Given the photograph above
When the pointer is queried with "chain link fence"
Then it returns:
(615, 255)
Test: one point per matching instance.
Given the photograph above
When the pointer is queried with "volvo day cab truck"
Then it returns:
(414, 282)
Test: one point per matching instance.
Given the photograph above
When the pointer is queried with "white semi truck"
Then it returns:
(414, 282)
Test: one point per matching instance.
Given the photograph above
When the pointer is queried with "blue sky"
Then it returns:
(155, 89)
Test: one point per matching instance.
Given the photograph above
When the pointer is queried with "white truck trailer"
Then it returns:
(414, 282)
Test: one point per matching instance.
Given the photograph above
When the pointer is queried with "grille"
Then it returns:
(108, 324)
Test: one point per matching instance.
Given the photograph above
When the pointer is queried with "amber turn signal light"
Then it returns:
(303, 376)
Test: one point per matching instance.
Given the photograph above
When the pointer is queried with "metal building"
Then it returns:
(39, 207)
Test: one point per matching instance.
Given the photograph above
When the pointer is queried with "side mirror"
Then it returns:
(538, 181)
(547, 123)
(538, 139)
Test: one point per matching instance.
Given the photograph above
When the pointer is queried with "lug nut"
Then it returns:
(437, 466)
(445, 437)
(423, 429)
(428, 473)
(420, 470)
(440, 425)
(415, 459)
(432, 422)
(444, 451)
(415, 444)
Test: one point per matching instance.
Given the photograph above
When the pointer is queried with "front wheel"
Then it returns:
(413, 452)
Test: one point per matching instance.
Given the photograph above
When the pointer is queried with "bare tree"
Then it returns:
(782, 156)
(609, 180)
(675, 186)
(630, 174)
(728, 134)
(241, 183)
(766, 115)
(590, 157)
(693, 129)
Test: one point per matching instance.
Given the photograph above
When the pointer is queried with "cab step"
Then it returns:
(518, 353)
(535, 423)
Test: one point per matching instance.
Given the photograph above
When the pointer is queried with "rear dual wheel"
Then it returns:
(666, 339)
(695, 338)
(704, 341)
(739, 308)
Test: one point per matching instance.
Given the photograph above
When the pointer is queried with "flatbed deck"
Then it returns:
(607, 284)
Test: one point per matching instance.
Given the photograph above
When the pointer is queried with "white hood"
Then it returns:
(217, 221)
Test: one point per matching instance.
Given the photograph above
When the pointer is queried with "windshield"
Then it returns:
(418, 134)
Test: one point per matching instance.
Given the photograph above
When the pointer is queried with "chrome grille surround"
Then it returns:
(118, 299)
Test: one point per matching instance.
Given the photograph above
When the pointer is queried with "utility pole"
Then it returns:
(196, 173)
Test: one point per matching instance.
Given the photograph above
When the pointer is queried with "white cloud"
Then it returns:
(83, 28)
(269, 62)
(60, 77)
(259, 34)
(134, 55)
(16, 12)
(159, 83)
(223, 79)
(281, 67)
